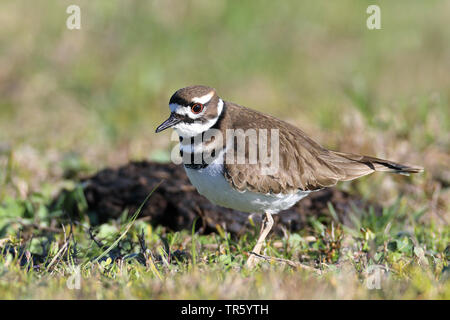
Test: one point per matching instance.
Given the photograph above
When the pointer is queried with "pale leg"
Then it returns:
(266, 225)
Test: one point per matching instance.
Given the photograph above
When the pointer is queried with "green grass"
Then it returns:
(73, 102)
(130, 259)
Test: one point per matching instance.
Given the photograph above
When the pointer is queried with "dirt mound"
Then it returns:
(176, 203)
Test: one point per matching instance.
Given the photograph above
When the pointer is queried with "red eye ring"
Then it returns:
(197, 108)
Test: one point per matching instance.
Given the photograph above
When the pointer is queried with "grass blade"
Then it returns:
(130, 224)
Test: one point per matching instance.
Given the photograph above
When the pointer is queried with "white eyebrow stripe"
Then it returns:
(203, 99)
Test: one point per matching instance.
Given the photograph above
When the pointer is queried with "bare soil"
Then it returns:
(176, 204)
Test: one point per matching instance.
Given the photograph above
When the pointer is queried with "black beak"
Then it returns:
(173, 120)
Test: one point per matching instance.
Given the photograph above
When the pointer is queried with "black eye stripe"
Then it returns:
(186, 119)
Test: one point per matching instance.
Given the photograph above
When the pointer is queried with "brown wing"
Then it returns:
(303, 164)
(300, 163)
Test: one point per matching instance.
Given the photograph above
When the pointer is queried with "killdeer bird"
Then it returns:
(203, 120)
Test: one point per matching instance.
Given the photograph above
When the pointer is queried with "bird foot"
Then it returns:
(255, 258)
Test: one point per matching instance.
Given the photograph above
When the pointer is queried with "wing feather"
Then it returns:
(303, 163)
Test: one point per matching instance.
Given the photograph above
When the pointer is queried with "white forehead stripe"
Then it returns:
(203, 99)
(174, 106)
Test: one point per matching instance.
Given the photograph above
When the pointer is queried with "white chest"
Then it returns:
(211, 183)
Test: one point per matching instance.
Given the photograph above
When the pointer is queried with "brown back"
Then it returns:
(303, 163)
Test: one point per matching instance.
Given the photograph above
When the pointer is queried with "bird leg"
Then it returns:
(266, 225)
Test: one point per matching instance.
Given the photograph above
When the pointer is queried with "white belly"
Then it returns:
(211, 183)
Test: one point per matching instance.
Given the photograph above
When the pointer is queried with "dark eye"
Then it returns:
(197, 108)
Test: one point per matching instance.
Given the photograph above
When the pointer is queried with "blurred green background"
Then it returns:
(74, 101)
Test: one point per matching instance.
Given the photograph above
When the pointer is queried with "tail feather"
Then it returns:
(355, 166)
